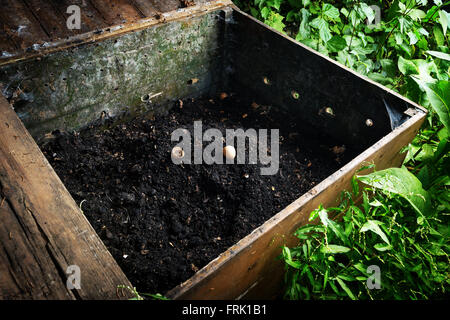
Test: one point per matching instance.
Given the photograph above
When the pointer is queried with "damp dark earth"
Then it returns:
(162, 222)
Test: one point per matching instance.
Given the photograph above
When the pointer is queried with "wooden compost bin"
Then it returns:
(68, 84)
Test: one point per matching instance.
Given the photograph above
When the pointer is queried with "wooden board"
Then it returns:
(42, 229)
(117, 11)
(100, 20)
(250, 269)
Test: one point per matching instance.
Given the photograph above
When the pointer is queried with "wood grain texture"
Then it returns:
(117, 11)
(51, 20)
(250, 269)
(20, 24)
(91, 19)
(99, 20)
(42, 230)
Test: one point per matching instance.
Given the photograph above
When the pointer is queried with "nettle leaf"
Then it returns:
(403, 183)
(330, 11)
(323, 26)
(373, 225)
(336, 44)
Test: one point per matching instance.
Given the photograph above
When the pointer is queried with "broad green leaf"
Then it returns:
(439, 96)
(369, 13)
(336, 44)
(440, 55)
(373, 225)
(336, 228)
(323, 26)
(389, 67)
(412, 38)
(403, 183)
(419, 67)
(333, 248)
(438, 36)
(304, 30)
(330, 11)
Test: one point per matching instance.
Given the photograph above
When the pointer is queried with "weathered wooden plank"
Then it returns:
(20, 24)
(107, 32)
(250, 268)
(145, 7)
(42, 230)
(117, 11)
(91, 19)
(50, 19)
(165, 5)
(7, 46)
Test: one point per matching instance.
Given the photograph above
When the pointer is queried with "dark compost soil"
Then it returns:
(162, 222)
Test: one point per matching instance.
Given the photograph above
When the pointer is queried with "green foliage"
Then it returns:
(403, 228)
(411, 250)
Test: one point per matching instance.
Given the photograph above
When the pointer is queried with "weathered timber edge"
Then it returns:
(42, 230)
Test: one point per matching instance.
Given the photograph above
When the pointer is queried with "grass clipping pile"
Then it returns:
(162, 222)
